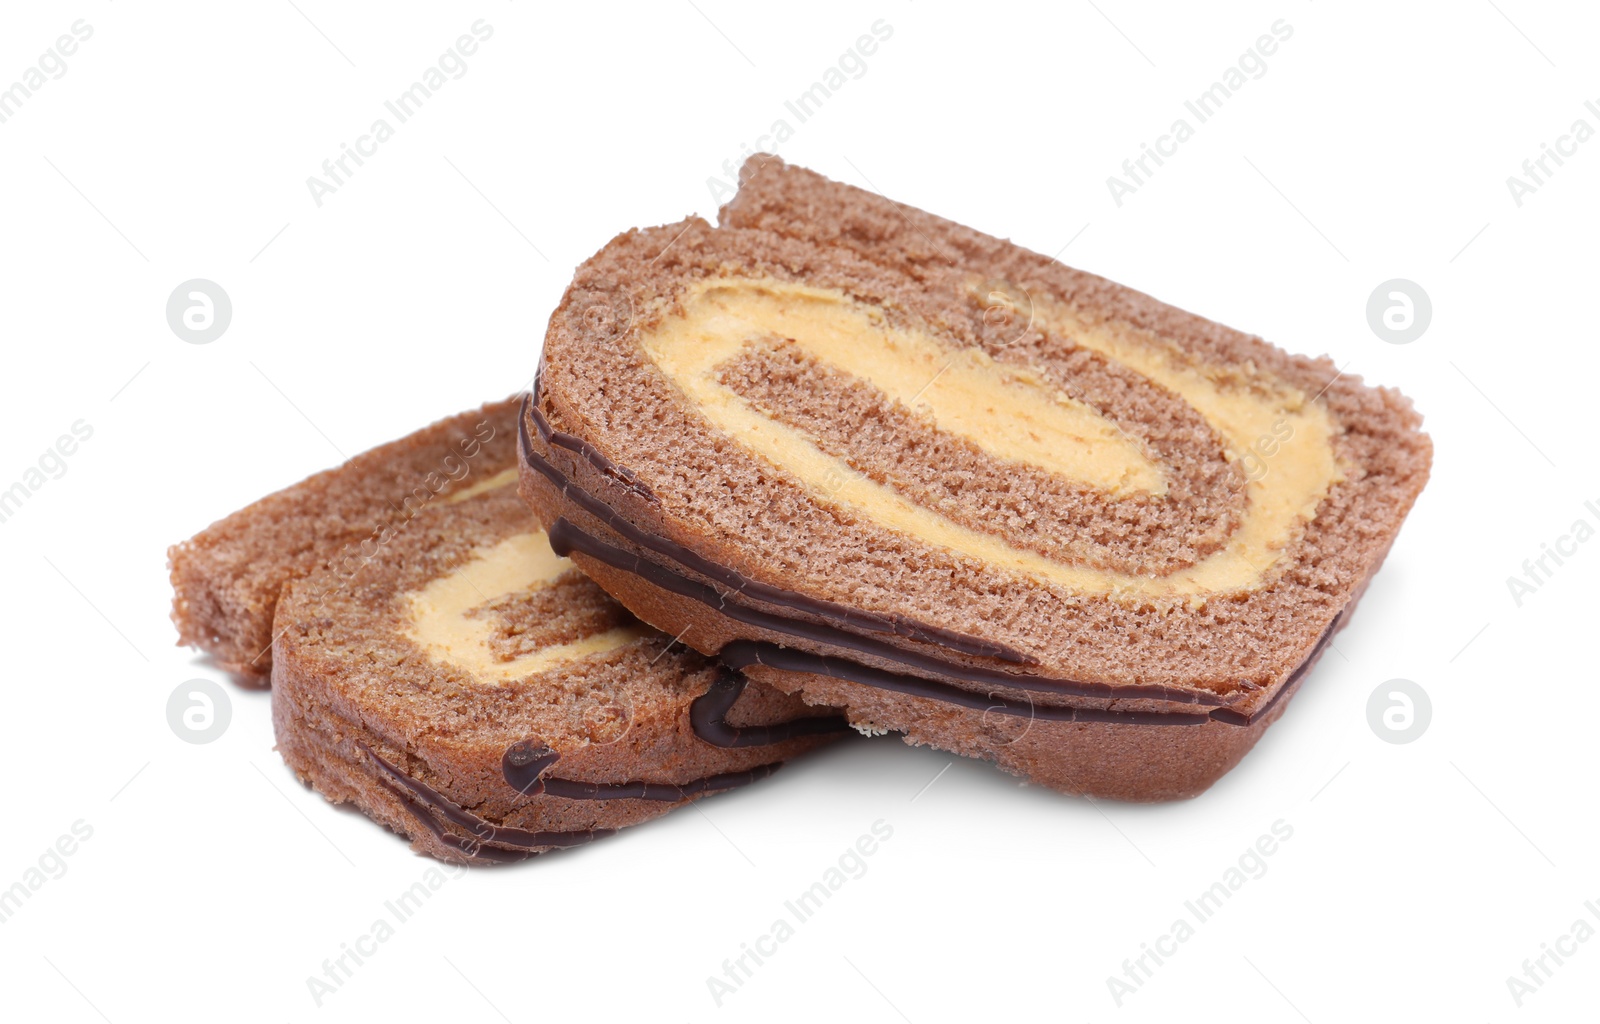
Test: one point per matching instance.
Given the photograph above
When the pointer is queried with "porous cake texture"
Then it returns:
(227, 578)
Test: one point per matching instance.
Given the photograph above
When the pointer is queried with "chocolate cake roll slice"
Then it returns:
(466, 686)
(972, 496)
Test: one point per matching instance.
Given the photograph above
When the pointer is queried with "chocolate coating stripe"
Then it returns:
(731, 578)
(588, 452)
(1232, 717)
(744, 653)
(467, 848)
(709, 717)
(522, 764)
(525, 761)
(566, 537)
(658, 790)
(496, 835)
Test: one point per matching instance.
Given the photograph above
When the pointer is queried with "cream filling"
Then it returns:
(439, 619)
(1013, 414)
(493, 483)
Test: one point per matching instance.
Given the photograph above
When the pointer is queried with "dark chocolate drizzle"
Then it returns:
(709, 717)
(566, 537)
(522, 764)
(589, 453)
(487, 834)
(470, 848)
(658, 790)
(737, 582)
(525, 762)
(743, 653)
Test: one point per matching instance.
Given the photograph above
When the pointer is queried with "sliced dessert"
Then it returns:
(972, 496)
(466, 686)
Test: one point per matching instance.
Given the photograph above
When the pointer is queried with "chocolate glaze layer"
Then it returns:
(566, 537)
(658, 790)
(744, 653)
(622, 474)
(522, 764)
(466, 847)
(525, 761)
(486, 833)
(709, 717)
(731, 578)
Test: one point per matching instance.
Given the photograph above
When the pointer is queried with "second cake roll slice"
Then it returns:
(1001, 507)
(468, 687)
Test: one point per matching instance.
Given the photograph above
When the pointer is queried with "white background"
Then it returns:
(1419, 876)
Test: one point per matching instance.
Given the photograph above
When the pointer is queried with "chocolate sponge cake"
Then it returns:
(466, 686)
(1002, 507)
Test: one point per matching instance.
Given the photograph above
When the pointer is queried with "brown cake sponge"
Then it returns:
(997, 505)
(437, 664)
